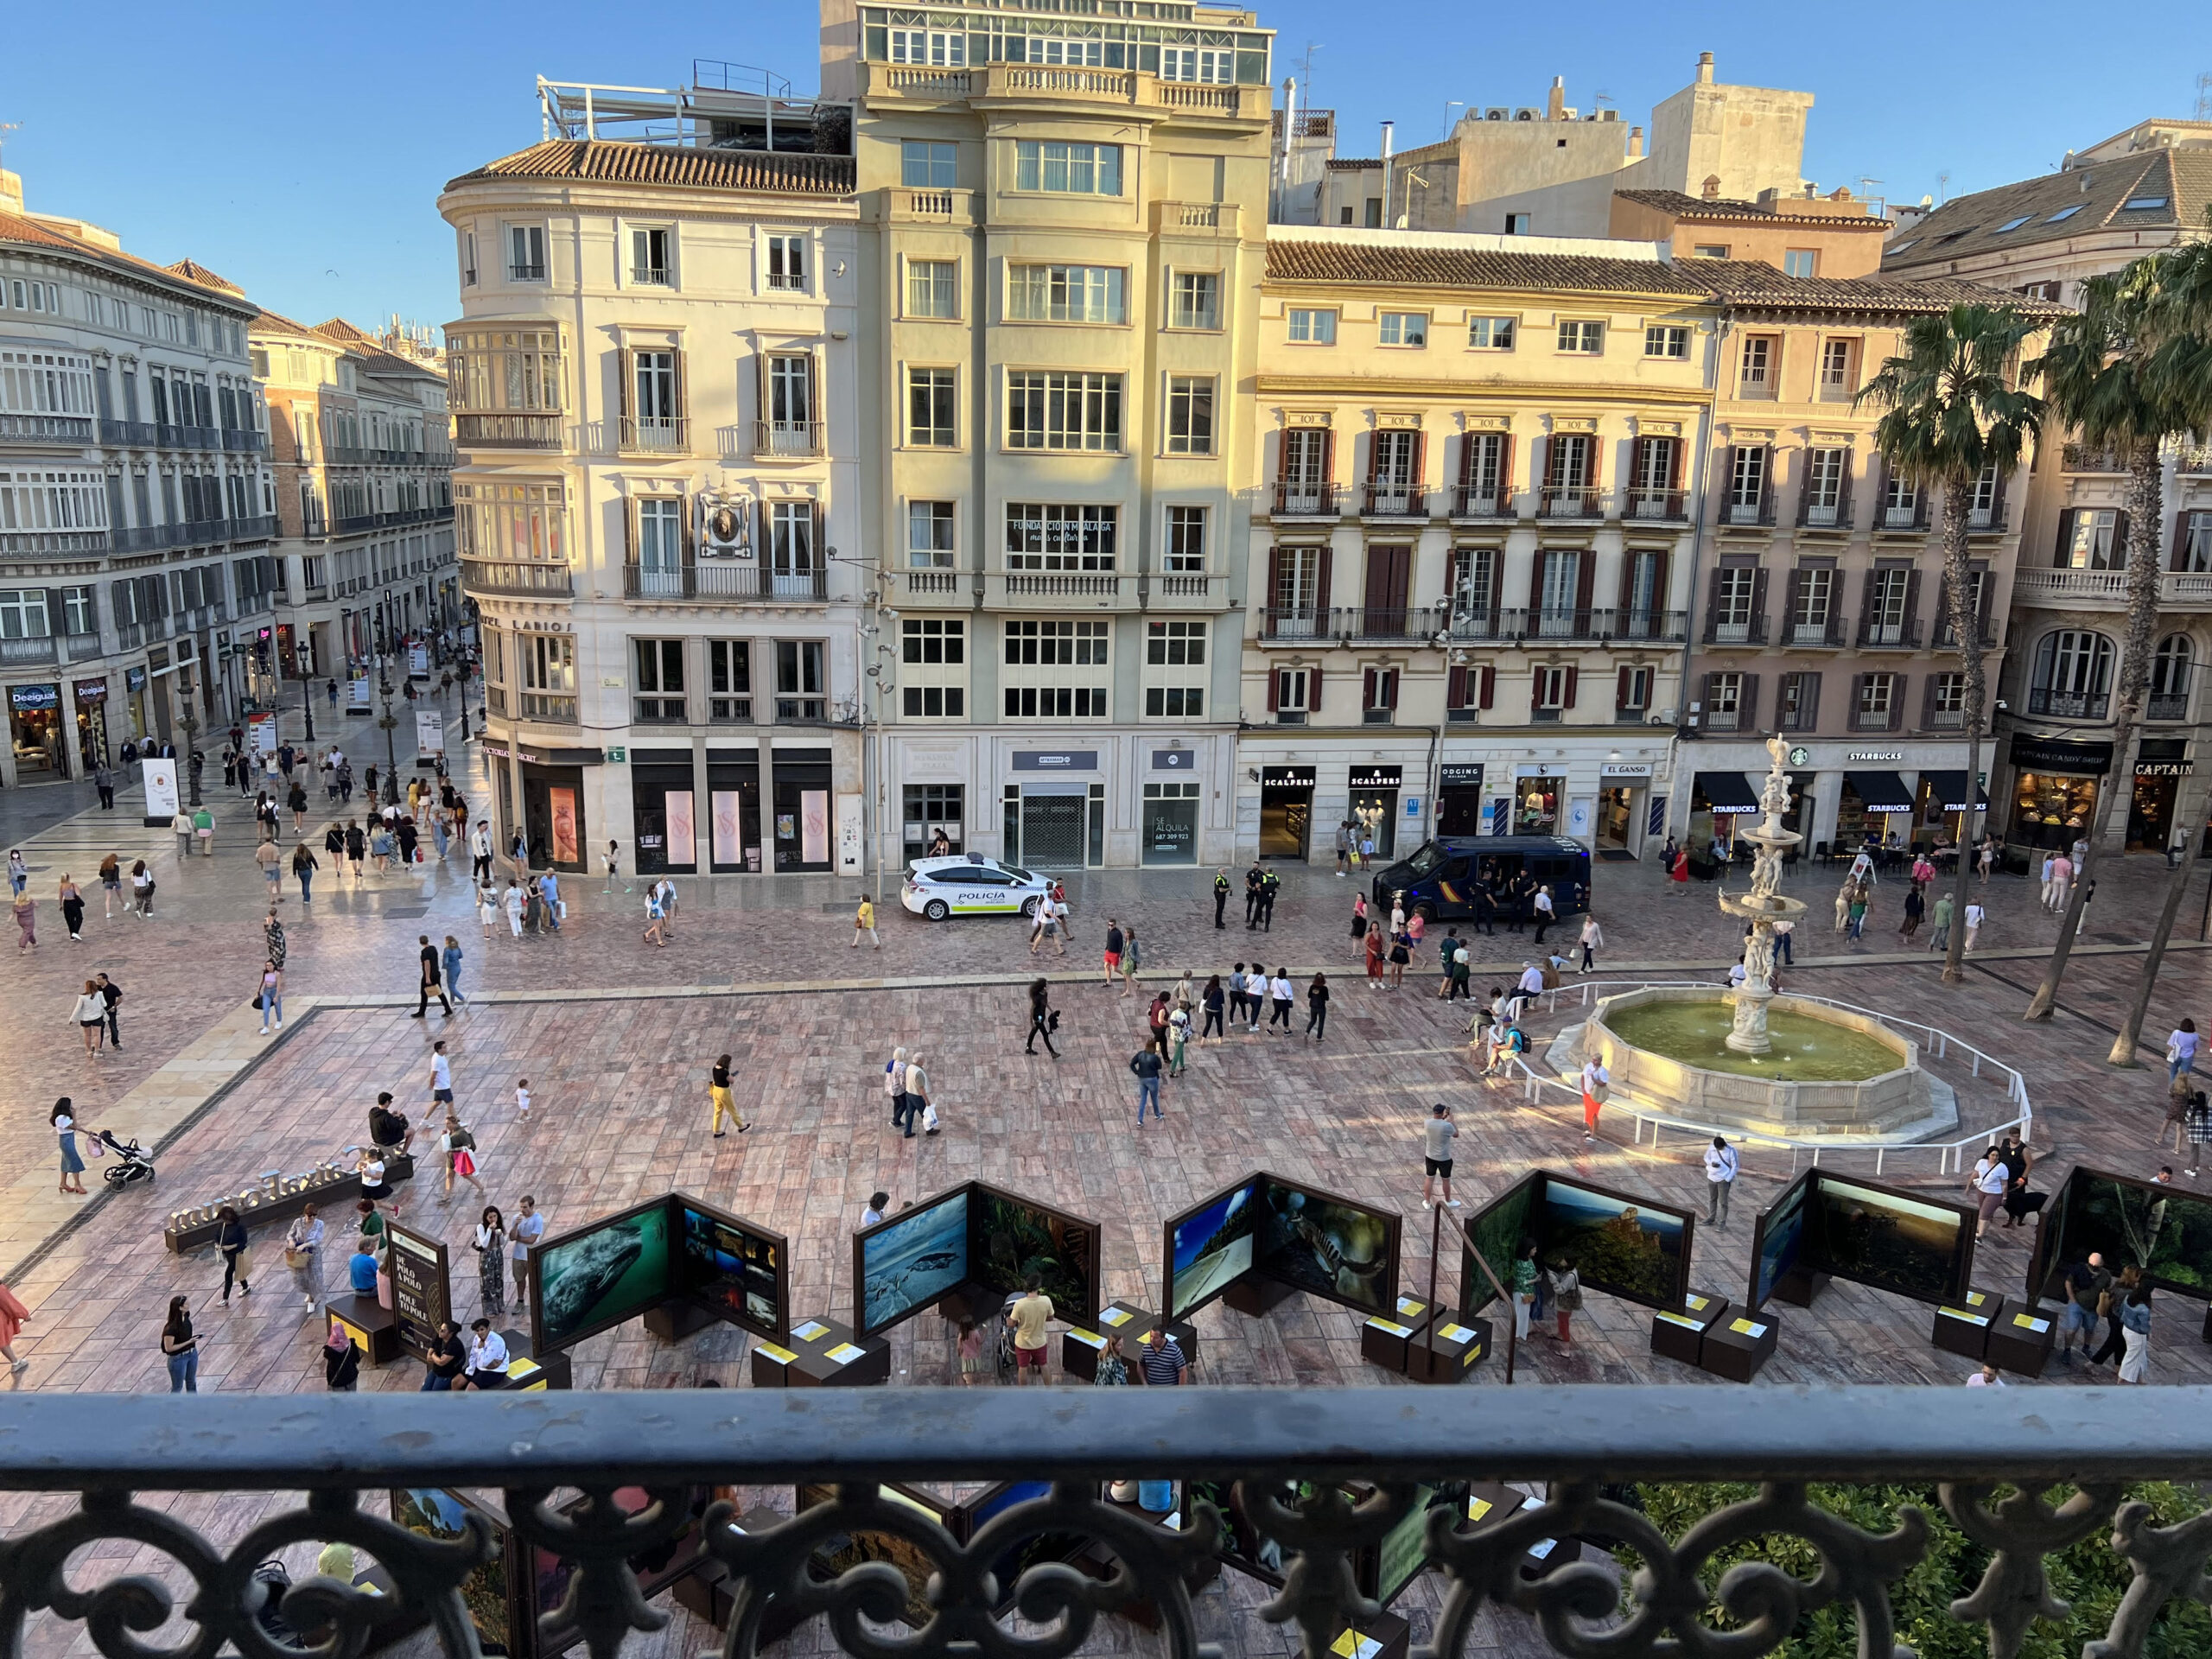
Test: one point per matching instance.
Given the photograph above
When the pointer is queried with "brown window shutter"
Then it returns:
(2180, 540)
(1711, 603)
(1586, 582)
(1489, 688)
(1328, 455)
(1321, 584)
(1390, 688)
(1467, 444)
(1505, 470)
(625, 373)
(1274, 689)
(1858, 697)
(1758, 603)
(2065, 537)
(1283, 453)
(1627, 587)
(1638, 448)
(1420, 479)
(1796, 593)
(1867, 605)
(1455, 689)
(1725, 494)
(1675, 477)
(1705, 695)
(1661, 595)
(1620, 689)
(1926, 701)
(1911, 602)
(1313, 690)
(1808, 703)
(1271, 598)
(1988, 586)
(1542, 473)
(630, 530)
(682, 386)
(1897, 700)
(1373, 454)
(2119, 536)
(1572, 674)
(1535, 692)
(1367, 688)
(1747, 704)
(1535, 588)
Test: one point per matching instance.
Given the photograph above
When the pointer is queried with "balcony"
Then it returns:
(1745, 630)
(1087, 589)
(1987, 520)
(728, 582)
(45, 429)
(1418, 625)
(2085, 458)
(20, 652)
(55, 541)
(242, 441)
(791, 440)
(1816, 634)
(2106, 590)
(1297, 500)
(508, 431)
(2166, 705)
(548, 707)
(1945, 720)
(943, 586)
(2070, 705)
(137, 434)
(361, 521)
(656, 435)
(167, 436)
(1748, 514)
(1559, 502)
(1030, 83)
(1902, 518)
(1393, 501)
(1481, 501)
(517, 581)
(1658, 506)
(1831, 513)
(1592, 626)
(1901, 635)
(1181, 590)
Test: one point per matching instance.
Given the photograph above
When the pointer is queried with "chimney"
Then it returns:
(1705, 68)
(1712, 186)
(12, 192)
(1635, 142)
(1555, 106)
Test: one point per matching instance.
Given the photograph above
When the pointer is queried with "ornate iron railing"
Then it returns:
(1986, 1458)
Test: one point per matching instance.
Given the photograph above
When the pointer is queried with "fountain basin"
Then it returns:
(1831, 1073)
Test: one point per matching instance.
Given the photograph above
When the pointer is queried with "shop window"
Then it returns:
(932, 820)
(1535, 806)
(1171, 822)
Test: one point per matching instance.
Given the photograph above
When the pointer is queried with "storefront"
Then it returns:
(1375, 806)
(1622, 787)
(1867, 806)
(801, 782)
(1055, 813)
(91, 696)
(1939, 812)
(1460, 800)
(1539, 801)
(663, 810)
(553, 817)
(1719, 802)
(932, 813)
(734, 811)
(35, 725)
(1172, 809)
(134, 692)
(2160, 764)
(1285, 811)
(2054, 789)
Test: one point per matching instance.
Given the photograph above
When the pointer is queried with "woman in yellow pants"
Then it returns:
(725, 1103)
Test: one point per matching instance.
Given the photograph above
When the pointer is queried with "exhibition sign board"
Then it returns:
(1884, 1238)
(1279, 1229)
(974, 1234)
(1618, 1242)
(161, 792)
(2166, 1232)
(422, 1291)
(429, 732)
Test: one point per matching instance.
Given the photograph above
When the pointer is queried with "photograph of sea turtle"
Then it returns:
(1329, 1246)
(603, 1274)
(912, 1260)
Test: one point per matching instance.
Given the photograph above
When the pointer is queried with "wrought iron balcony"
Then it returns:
(1590, 625)
(725, 581)
(1296, 500)
(1901, 635)
(1662, 506)
(1902, 517)
(1813, 513)
(1987, 521)
(141, 434)
(650, 434)
(1482, 501)
(243, 440)
(797, 439)
(507, 431)
(1395, 500)
(2073, 705)
(1576, 502)
(2166, 705)
(1248, 1464)
(45, 429)
(1821, 633)
(1743, 631)
(1752, 513)
(24, 652)
(2085, 458)
(517, 580)
(167, 436)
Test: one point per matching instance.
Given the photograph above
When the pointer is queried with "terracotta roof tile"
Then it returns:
(1725, 210)
(2097, 196)
(192, 271)
(344, 333)
(13, 227)
(1419, 267)
(1749, 282)
(275, 322)
(697, 167)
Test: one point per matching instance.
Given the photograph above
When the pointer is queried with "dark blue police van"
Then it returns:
(1439, 878)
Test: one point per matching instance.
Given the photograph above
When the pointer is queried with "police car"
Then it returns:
(970, 885)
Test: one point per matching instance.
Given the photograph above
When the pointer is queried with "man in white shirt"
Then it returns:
(1530, 982)
(1974, 916)
(1720, 1176)
(1595, 1082)
(874, 1211)
(487, 1359)
(480, 849)
(1437, 1137)
(1986, 1377)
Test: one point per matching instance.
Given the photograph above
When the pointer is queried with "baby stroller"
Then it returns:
(131, 1162)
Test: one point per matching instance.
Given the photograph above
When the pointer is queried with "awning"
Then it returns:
(1951, 788)
(1879, 791)
(1728, 791)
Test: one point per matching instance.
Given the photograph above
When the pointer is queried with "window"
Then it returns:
(1045, 537)
(1552, 692)
(660, 681)
(1491, 333)
(2064, 213)
(1814, 607)
(729, 680)
(650, 265)
(929, 534)
(1294, 694)
(926, 166)
(787, 263)
(2073, 674)
(1177, 647)
(1946, 702)
(1735, 589)
(928, 647)
(1839, 371)
(468, 263)
(549, 675)
(2012, 223)
(1568, 463)
(1876, 707)
(1039, 654)
(1900, 503)
(791, 400)
(1474, 589)
(2143, 204)
(793, 570)
(1373, 212)
(1312, 327)
(1067, 169)
(1186, 542)
(2094, 543)
(1888, 597)
(525, 253)
(937, 48)
(1724, 701)
(1048, 644)
(932, 639)
(1756, 376)
(799, 681)
(933, 810)
(1194, 300)
(1986, 505)
(1065, 294)
(1747, 484)
(1583, 339)
(22, 614)
(933, 289)
(501, 370)
(2168, 676)
(660, 544)
(51, 498)
(654, 424)
(1826, 471)
(1403, 328)
(1379, 697)
(1667, 340)
(1801, 262)
(1711, 251)
(932, 410)
(1190, 415)
(2196, 539)
(517, 522)
(1516, 225)
(1197, 63)
(1064, 411)
(77, 616)
(1799, 708)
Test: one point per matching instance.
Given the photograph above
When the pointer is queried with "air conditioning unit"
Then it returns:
(1497, 115)
(1528, 115)
(1606, 114)
(1570, 115)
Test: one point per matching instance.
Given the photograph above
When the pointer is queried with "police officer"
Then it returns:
(1270, 886)
(1220, 896)
(1253, 884)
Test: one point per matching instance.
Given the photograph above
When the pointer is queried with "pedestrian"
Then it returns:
(1042, 1018)
(528, 1227)
(1976, 914)
(2043, 891)
(182, 1347)
(1163, 1362)
(548, 899)
(26, 908)
(894, 1086)
(110, 886)
(1463, 970)
(2086, 1283)
(73, 908)
(612, 859)
(1437, 1137)
(1132, 957)
(667, 907)
(1986, 857)
(1783, 931)
(872, 1212)
(1596, 1082)
(1563, 1288)
(1720, 1166)
(2013, 1153)
(479, 852)
(1144, 1064)
(428, 982)
(65, 1129)
(1178, 1038)
(459, 1146)
(1524, 1287)
(1593, 936)
(376, 1183)
(1400, 954)
(1253, 882)
(721, 1100)
(1212, 999)
(103, 781)
(656, 915)
(1916, 908)
(111, 994)
(2196, 1123)
(1343, 846)
(304, 865)
(490, 1242)
(522, 1100)
(297, 800)
(232, 1245)
(1044, 927)
(919, 1108)
(441, 1363)
(1843, 904)
(1540, 907)
(974, 1366)
(1270, 889)
(1941, 918)
(341, 1360)
(1220, 897)
(487, 905)
(272, 861)
(1988, 1184)
(450, 959)
(334, 847)
(1316, 1007)
(90, 1014)
(2135, 1333)
(1862, 898)
(1281, 993)
(1028, 1317)
(485, 1369)
(2181, 1043)
(2109, 1306)
(405, 833)
(513, 902)
(13, 1317)
(864, 922)
(2061, 883)
(303, 1254)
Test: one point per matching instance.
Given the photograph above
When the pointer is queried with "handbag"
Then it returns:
(295, 1258)
(246, 1264)
(1052, 1021)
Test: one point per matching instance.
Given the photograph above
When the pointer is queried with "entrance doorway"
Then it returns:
(2151, 812)
(553, 815)
(1620, 825)
(1052, 831)
(1285, 811)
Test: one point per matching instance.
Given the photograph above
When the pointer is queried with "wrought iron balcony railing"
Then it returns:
(1481, 501)
(2074, 705)
(724, 581)
(1324, 1476)
(45, 429)
(1570, 501)
(1296, 500)
(1663, 506)
(1386, 500)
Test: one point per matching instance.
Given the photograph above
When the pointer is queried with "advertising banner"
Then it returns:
(422, 1295)
(161, 792)
(429, 732)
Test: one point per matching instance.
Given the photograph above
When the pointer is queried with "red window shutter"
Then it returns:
(1505, 470)
(1489, 688)
(1674, 479)
(1572, 674)
(1313, 690)
(1274, 689)
(1321, 584)
(1635, 451)
(1620, 689)
(1368, 690)
(1455, 689)
(1535, 692)
(1586, 583)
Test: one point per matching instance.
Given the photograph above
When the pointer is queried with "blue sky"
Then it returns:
(299, 149)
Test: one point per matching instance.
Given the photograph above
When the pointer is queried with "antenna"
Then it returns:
(7, 127)
(1943, 186)
(1306, 70)
(2204, 97)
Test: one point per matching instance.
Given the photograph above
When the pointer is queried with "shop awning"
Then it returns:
(1879, 791)
(1951, 788)
(1727, 791)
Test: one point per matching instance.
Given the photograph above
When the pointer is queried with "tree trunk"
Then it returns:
(2131, 1028)
(2145, 498)
(1966, 628)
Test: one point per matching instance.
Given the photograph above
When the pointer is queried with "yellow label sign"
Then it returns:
(1352, 1645)
(1478, 1507)
(1961, 1313)
(1682, 1320)
(1746, 1328)
(1410, 1308)
(1391, 1325)
(1088, 1338)
(810, 1331)
(1115, 1317)
(1456, 1332)
(1976, 1298)
(1696, 1304)
(781, 1355)
(2029, 1322)
(845, 1353)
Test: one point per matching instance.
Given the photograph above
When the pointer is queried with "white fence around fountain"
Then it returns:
(1950, 1154)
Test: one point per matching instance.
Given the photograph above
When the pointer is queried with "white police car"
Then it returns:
(969, 885)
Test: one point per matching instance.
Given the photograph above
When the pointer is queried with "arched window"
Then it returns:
(2073, 674)
(2170, 679)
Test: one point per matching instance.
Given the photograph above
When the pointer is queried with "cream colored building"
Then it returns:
(1472, 559)
(1062, 229)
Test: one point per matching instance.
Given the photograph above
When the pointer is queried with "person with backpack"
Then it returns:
(459, 1145)
(1563, 1287)
(1042, 1018)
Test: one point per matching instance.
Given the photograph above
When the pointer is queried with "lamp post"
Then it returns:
(189, 723)
(390, 723)
(307, 692)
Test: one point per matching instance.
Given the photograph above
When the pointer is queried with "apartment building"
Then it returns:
(1825, 611)
(1061, 230)
(658, 419)
(134, 497)
(1474, 544)
(362, 460)
(2145, 189)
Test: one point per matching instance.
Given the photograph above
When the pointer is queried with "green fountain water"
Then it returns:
(1805, 1050)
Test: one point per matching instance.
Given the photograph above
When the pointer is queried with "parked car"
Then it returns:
(970, 884)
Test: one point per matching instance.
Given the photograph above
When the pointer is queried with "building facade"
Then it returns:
(1474, 546)
(134, 497)
(1062, 225)
(658, 419)
(362, 460)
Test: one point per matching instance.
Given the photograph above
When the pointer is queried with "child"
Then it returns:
(522, 1100)
(972, 1367)
(1566, 1287)
(1178, 1034)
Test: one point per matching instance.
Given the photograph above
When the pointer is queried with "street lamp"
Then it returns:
(307, 692)
(189, 723)
(390, 723)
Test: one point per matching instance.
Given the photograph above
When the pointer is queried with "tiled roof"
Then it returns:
(1725, 210)
(1750, 282)
(1419, 267)
(274, 322)
(344, 333)
(194, 272)
(1351, 163)
(2097, 196)
(15, 227)
(694, 166)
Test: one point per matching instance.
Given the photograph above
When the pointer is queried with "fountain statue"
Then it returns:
(1763, 905)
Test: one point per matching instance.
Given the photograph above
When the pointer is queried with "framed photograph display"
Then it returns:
(1011, 1238)
(907, 1261)
(2165, 1230)
(1316, 1242)
(1624, 1245)
(736, 1270)
(1778, 1241)
(606, 1271)
(843, 1551)
(1209, 1248)
(422, 1293)
(656, 1568)
(1889, 1239)
(1497, 1230)
(492, 1592)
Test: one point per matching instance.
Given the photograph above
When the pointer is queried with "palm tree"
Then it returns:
(2108, 380)
(1952, 409)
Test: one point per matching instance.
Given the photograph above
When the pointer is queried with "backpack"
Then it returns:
(1516, 1040)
